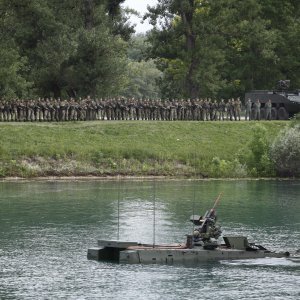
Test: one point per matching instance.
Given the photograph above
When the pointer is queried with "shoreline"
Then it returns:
(138, 178)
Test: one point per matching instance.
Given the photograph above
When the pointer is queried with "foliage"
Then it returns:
(142, 73)
(257, 155)
(295, 120)
(285, 152)
(225, 47)
(12, 83)
(63, 48)
(228, 168)
(142, 80)
(138, 47)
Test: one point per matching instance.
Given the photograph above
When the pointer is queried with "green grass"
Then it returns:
(130, 148)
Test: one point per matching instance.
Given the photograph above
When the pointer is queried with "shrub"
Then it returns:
(224, 168)
(257, 156)
(285, 152)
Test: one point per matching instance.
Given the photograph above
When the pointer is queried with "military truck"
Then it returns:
(285, 104)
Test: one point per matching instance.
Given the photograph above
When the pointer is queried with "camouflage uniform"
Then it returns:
(1, 110)
(248, 107)
(257, 106)
(268, 107)
(238, 108)
(222, 109)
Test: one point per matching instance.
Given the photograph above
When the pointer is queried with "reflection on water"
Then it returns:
(46, 228)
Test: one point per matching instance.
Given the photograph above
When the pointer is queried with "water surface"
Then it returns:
(46, 228)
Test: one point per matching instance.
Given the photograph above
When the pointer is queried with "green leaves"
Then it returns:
(62, 48)
(12, 83)
(223, 42)
(285, 152)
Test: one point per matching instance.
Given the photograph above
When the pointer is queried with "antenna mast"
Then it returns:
(154, 213)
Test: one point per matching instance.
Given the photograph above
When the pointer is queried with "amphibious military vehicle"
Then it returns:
(200, 246)
(285, 104)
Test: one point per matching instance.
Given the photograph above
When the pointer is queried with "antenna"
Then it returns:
(154, 215)
(194, 196)
(118, 231)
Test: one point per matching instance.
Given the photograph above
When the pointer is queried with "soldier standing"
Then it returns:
(1, 110)
(72, 110)
(172, 110)
(63, 110)
(268, 107)
(238, 108)
(221, 110)
(248, 107)
(257, 106)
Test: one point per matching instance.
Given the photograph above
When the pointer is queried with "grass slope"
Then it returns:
(130, 148)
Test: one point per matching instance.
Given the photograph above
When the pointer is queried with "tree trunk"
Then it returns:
(187, 20)
(88, 9)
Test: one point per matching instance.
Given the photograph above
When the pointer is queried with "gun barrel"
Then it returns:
(217, 201)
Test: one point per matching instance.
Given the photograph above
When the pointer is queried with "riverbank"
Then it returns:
(139, 148)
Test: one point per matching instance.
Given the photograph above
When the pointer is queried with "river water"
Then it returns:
(47, 227)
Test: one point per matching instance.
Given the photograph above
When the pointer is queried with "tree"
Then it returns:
(71, 48)
(12, 82)
(256, 157)
(225, 47)
(285, 152)
(142, 80)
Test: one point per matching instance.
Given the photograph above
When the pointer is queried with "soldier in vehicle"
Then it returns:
(268, 107)
(248, 107)
(257, 106)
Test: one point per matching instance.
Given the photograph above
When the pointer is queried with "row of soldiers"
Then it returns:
(119, 109)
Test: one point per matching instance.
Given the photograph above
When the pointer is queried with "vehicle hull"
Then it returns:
(134, 253)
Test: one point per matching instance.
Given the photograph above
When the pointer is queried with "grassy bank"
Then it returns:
(137, 148)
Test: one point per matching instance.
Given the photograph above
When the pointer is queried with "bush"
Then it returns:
(285, 152)
(257, 155)
(224, 168)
